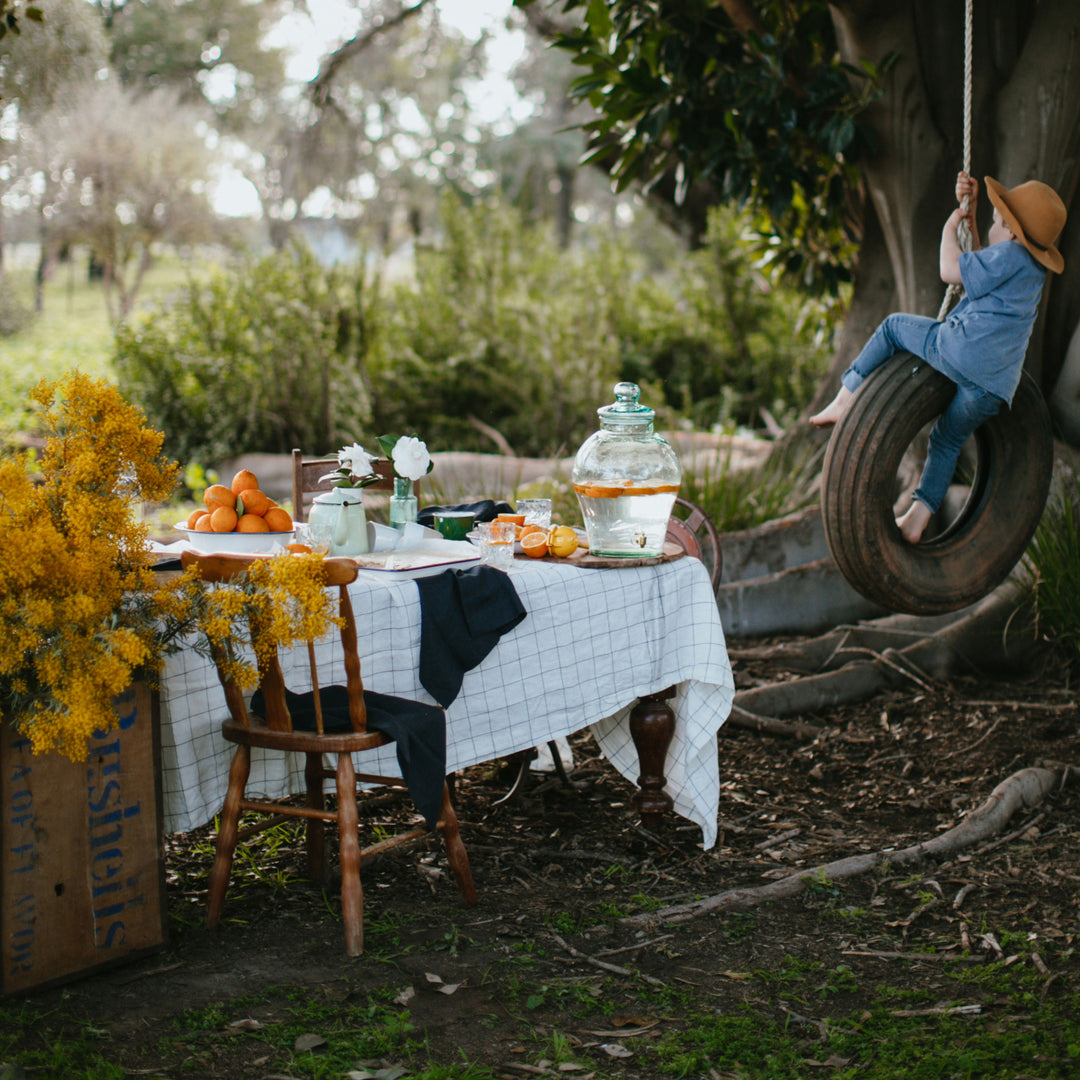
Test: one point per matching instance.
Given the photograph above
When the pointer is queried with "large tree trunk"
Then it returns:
(1026, 124)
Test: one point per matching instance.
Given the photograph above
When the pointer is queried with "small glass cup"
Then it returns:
(536, 511)
(318, 539)
(497, 543)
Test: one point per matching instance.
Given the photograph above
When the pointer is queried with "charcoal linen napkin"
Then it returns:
(463, 615)
(418, 731)
(484, 510)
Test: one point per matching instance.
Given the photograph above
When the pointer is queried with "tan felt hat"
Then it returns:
(1035, 215)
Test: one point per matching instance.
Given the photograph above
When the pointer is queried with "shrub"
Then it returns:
(1052, 567)
(15, 315)
(261, 358)
(500, 330)
(724, 342)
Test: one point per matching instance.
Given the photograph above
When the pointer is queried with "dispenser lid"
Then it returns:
(627, 411)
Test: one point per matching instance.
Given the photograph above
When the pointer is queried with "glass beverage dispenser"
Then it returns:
(626, 478)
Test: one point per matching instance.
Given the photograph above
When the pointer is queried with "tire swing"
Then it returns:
(1014, 461)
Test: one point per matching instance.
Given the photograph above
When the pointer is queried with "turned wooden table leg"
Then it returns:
(652, 725)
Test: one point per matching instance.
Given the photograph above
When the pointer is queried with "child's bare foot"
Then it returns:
(834, 410)
(912, 524)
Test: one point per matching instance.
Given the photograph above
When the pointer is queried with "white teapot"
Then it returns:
(338, 515)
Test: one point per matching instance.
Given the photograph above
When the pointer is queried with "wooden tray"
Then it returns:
(584, 559)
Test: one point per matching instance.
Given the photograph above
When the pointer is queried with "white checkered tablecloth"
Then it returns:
(593, 641)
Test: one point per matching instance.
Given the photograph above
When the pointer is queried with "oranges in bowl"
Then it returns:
(240, 517)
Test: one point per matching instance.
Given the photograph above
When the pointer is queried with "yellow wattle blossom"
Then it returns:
(82, 611)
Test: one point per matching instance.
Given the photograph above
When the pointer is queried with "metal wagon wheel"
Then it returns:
(693, 529)
(978, 549)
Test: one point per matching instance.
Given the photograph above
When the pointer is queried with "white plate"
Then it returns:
(212, 542)
(413, 563)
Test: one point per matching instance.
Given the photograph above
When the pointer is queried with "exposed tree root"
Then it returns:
(1028, 787)
(852, 663)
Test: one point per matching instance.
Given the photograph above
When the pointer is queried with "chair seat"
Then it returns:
(416, 728)
(304, 742)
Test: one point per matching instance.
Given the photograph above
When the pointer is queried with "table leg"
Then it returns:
(652, 725)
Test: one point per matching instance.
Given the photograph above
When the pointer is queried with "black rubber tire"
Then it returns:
(1014, 454)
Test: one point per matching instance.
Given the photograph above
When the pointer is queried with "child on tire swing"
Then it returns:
(981, 345)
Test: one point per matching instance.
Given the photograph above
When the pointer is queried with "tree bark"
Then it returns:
(1025, 125)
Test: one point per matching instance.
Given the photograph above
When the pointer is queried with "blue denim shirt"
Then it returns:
(986, 335)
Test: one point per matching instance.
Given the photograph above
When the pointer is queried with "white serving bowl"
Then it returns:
(212, 542)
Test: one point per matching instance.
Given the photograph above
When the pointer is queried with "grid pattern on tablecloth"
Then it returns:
(592, 642)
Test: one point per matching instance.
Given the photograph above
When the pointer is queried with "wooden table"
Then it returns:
(594, 644)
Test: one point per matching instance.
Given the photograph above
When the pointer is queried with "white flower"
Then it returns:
(356, 459)
(411, 457)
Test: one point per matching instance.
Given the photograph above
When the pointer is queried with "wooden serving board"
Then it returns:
(583, 558)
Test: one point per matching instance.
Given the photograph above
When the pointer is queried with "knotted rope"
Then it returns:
(963, 233)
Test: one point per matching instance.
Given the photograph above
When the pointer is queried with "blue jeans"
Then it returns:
(970, 406)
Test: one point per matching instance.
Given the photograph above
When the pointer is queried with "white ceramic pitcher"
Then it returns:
(340, 511)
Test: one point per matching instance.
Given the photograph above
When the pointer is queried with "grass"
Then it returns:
(1052, 567)
(783, 1022)
(72, 331)
(783, 483)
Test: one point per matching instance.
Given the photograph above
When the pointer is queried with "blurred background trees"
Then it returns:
(749, 182)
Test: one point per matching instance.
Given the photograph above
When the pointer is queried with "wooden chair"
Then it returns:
(306, 476)
(693, 530)
(275, 732)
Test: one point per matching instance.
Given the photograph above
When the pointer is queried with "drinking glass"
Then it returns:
(497, 543)
(536, 511)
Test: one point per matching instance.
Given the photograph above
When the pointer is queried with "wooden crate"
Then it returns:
(82, 881)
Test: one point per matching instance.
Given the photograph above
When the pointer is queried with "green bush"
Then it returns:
(260, 358)
(724, 342)
(1052, 566)
(15, 315)
(500, 330)
(500, 339)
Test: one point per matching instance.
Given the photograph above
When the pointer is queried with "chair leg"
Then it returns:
(352, 896)
(455, 850)
(315, 834)
(226, 838)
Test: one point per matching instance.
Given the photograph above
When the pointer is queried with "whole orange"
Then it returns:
(252, 523)
(255, 502)
(219, 495)
(244, 480)
(223, 519)
(194, 516)
(203, 524)
(278, 520)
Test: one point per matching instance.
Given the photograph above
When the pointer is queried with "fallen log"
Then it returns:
(1025, 788)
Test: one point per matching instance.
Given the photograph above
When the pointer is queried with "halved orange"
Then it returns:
(535, 544)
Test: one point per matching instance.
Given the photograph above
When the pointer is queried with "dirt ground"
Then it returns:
(558, 865)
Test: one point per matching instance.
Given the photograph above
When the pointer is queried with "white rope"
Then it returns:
(963, 233)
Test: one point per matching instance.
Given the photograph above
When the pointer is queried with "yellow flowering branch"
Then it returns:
(83, 613)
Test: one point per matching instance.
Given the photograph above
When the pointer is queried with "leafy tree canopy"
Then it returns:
(749, 102)
(10, 13)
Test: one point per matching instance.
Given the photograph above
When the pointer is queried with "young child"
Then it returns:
(980, 346)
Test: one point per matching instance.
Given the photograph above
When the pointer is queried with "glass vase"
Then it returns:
(403, 504)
